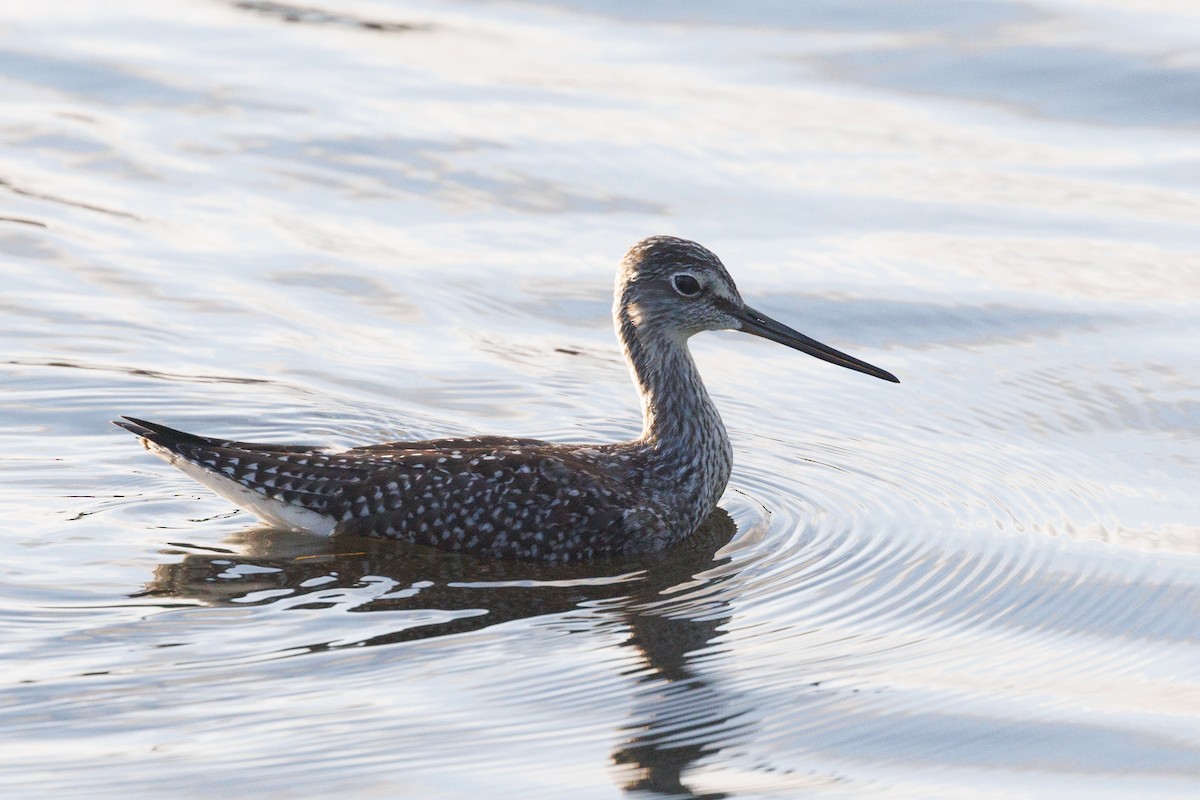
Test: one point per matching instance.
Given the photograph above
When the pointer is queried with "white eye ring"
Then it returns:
(685, 283)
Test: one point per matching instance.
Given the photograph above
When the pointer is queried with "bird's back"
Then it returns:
(503, 496)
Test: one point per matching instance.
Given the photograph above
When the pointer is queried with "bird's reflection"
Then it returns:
(267, 565)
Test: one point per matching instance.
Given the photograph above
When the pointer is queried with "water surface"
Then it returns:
(379, 220)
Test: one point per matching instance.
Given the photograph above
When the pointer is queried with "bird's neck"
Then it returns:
(682, 434)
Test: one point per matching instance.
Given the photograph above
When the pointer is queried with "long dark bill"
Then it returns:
(762, 325)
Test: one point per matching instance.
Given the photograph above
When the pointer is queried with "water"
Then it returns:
(364, 221)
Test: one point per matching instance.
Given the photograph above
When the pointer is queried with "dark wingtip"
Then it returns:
(154, 431)
(135, 426)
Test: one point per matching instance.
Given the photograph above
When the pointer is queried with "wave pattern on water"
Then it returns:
(375, 222)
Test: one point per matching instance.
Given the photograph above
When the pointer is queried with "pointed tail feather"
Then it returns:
(286, 485)
(170, 438)
(161, 434)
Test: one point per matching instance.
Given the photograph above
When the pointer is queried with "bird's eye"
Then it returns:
(685, 284)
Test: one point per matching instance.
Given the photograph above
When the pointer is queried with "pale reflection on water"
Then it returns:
(430, 594)
(384, 220)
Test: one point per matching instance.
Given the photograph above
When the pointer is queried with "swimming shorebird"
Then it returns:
(526, 498)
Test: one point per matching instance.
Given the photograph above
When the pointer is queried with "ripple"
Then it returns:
(979, 583)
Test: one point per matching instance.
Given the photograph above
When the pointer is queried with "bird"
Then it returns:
(516, 498)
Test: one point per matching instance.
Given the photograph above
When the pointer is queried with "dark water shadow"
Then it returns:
(316, 15)
(666, 601)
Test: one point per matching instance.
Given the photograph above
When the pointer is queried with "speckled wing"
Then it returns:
(506, 497)
(517, 502)
(449, 445)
